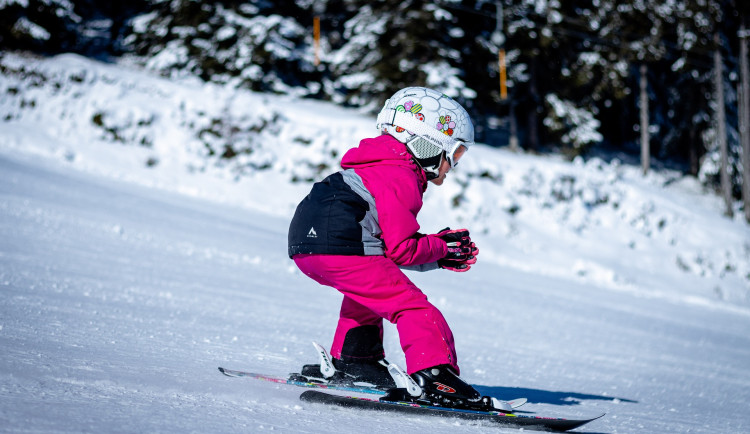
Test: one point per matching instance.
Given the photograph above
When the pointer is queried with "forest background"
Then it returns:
(575, 77)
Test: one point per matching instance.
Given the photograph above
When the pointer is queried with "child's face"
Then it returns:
(445, 166)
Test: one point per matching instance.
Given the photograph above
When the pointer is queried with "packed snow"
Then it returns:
(143, 225)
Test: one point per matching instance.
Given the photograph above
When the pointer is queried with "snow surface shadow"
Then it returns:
(537, 396)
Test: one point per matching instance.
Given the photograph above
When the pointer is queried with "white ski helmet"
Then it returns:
(428, 123)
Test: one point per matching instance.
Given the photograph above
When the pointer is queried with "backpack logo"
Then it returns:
(443, 388)
(312, 233)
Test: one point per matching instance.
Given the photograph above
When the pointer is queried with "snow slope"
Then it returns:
(125, 284)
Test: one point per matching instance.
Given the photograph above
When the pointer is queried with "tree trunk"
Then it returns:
(745, 120)
(721, 128)
(695, 165)
(513, 126)
(645, 139)
(533, 139)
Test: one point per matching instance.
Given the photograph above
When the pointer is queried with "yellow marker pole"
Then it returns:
(503, 76)
(316, 38)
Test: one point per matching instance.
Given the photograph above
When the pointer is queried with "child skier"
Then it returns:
(358, 227)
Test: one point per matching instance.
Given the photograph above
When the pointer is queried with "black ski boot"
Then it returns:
(311, 374)
(362, 362)
(441, 385)
(370, 373)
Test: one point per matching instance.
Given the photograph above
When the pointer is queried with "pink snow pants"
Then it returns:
(375, 288)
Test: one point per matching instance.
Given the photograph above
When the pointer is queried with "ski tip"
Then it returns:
(515, 403)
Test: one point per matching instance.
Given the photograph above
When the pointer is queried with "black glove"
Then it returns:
(462, 252)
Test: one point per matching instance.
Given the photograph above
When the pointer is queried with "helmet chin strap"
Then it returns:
(430, 174)
(430, 167)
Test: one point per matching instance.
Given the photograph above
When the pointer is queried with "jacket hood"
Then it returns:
(382, 150)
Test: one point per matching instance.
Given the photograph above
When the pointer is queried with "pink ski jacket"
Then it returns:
(369, 208)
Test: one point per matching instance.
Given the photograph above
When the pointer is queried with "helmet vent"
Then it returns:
(423, 148)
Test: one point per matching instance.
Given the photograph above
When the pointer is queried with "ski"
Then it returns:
(504, 419)
(300, 381)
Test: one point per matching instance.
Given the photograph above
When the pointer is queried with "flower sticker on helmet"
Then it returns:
(445, 125)
(410, 107)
